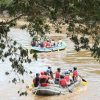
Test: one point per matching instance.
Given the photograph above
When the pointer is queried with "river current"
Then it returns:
(87, 66)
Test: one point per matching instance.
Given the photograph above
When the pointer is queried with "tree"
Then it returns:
(81, 18)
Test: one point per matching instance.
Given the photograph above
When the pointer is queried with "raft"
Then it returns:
(54, 89)
(56, 48)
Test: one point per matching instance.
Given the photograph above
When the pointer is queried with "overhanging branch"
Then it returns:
(14, 19)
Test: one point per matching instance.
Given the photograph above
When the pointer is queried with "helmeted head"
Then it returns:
(58, 69)
(42, 73)
(62, 76)
(48, 70)
(68, 72)
(49, 67)
(74, 68)
(37, 74)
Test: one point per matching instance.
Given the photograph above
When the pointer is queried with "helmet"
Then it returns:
(68, 72)
(42, 73)
(58, 69)
(74, 68)
(61, 76)
(48, 71)
(37, 74)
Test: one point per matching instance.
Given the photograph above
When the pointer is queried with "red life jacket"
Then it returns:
(48, 45)
(67, 78)
(49, 77)
(34, 80)
(75, 73)
(45, 84)
(44, 43)
(63, 82)
(57, 75)
(44, 76)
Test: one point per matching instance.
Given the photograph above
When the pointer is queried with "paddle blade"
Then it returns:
(29, 89)
(70, 91)
(84, 83)
(32, 85)
(77, 88)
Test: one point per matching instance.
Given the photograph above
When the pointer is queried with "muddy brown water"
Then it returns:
(87, 66)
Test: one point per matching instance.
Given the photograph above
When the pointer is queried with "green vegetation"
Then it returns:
(81, 18)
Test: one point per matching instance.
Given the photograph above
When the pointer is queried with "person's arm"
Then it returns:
(66, 83)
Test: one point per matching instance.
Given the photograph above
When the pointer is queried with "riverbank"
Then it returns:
(21, 22)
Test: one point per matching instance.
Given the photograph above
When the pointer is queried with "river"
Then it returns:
(87, 66)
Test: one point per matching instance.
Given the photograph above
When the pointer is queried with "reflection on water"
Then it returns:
(88, 67)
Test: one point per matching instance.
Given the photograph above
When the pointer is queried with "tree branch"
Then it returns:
(8, 22)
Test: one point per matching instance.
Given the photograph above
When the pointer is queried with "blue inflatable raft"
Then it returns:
(56, 48)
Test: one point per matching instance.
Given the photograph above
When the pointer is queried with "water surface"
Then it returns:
(88, 67)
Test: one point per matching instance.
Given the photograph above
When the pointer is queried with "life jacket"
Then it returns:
(44, 77)
(34, 80)
(41, 44)
(63, 82)
(75, 73)
(67, 78)
(44, 43)
(45, 84)
(57, 75)
(48, 45)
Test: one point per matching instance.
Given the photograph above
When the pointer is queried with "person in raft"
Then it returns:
(41, 44)
(50, 72)
(53, 44)
(44, 80)
(57, 76)
(48, 44)
(50, 75)
(62, 81)
(36, 80)
(67, 77)
(33, 43)
(75, 74)
(71, 77)
(59, 42)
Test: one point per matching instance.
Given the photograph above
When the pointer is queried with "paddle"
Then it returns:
(76, 86)
(35, 92)
(30, 88)
(68, 87)
(84, 82)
